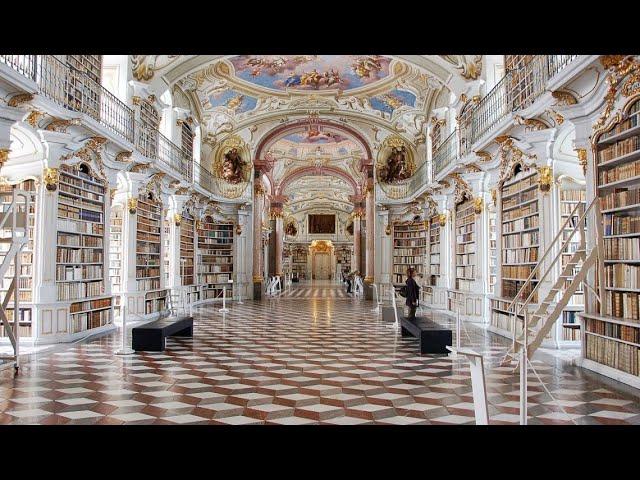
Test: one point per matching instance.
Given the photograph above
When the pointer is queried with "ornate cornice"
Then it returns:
(530, 123)
(564, 98)
(19, 99)
(34, 117)
(61, 125)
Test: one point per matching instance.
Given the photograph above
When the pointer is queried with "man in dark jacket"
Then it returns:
(412, 292)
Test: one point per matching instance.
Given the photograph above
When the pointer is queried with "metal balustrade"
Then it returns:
(446, 153)
(23, 64)
(489, 110)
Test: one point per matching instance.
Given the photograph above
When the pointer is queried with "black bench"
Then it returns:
(434, 338)
(151, 336)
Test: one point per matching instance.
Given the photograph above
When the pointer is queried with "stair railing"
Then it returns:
(519, 306)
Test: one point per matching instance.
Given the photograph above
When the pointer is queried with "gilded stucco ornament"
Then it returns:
(582, 158)
(144, 67)
(564, 98)
(484, 156)
(61, 125)
(34, 117)
(462, 189)
(124, 156)
(494, 196)
(19, 99)
(470, 66)
(132, 205)
(510, 156)
(619, 67)
(4, 155)
(546, 178)
(50, 177)
(442, 219)
(232, 167)
(478, 203)
(177, 218)
(530, 123)
(90, 152)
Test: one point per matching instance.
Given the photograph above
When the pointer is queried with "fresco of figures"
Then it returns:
(311, 72)
(396, 167)
(233, 167)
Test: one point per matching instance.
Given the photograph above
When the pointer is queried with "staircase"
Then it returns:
(13, 216)
(539, 320)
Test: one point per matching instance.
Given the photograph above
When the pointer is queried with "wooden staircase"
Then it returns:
(538, 321)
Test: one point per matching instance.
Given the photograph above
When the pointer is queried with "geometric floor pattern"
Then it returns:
(298, 359)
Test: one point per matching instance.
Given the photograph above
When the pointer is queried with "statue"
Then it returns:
(396, 168)
(232, 166)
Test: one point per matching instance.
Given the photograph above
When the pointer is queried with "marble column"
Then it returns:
(258, 203)
(370, 245)
(356, 242)
(279, 243)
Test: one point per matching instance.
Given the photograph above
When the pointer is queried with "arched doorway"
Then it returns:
(322, 259)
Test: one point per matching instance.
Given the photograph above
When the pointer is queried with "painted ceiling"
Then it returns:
(311, 72)
(317, 191)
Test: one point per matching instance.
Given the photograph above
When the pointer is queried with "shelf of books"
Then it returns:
(187, 258)
(409, 249)
(520, 244)
(434, 252)
(215, 258)
(80, 255)
(149, 251)
(465, 246)
(568, 333)
(343, 258)
(115, 257)
(299, 262)
(612, 336)
(25, 280)
(166, 252)
(493, 249)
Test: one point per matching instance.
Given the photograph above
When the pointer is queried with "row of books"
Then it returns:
(145, 247)
(465, 259)
(521, 255)
(518, 199)
(69, 272)
(72, 291)
(407, 251)
(71, 240)
(71, 255)
(80, 193)
(519, 185)
(510, 288)
(213, 278)
(215, 233)
(213, 268)
(408, 259)
(155, 295)
(467, 237)
(204, 258)
(567, 208)
(622, 248)
(521, 224)
(215, 241)
(621, 127)
(573, 195)
(66, 211)
(145, 272)
(465, 272)
(620, 197)
(618, 149)
(464, 284)
(67, 225)
(81, 204)
(621, 356)
(462, 248)
(619, 172)
(89, 320)
(622, 275)
(468, 228)
(25, 315)
(622, 305)
(526, 239)
(147, 260)
(523, 211)
(90, 305)
(517, 271)
(616, 224)
(148, 228)
(613, 330)
(409, 243)
(148, 284)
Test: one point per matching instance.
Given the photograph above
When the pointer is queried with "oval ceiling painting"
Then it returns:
(311, 72)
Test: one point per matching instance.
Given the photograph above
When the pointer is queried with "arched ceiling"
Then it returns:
(315, 191)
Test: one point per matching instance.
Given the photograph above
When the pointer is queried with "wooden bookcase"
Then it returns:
(187, 251)
(83, 91)
(25, 281)
(519, 223)
(409, 249)
(493, 249)
(80, 253)
(343, 259)
(612, 335)
(434, 252)
(215, 258)
(115, 256)
(299, 262)
(465, 246)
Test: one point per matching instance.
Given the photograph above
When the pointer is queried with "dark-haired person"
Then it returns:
(412, 292)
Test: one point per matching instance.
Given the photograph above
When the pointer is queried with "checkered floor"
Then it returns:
(297, 360)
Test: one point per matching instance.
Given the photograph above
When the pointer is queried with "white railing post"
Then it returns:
(125, 350)
(523, 371)
(377, 299)
(224, 308)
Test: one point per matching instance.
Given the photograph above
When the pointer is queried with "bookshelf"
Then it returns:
(299, 262)
(148, 246)
(187, 226)
(80, 255)
(612, 335)
(409, 249)
(215, 258)
(343, 259)
(434, 252)
(83, 91)
(465, 246)
(25, 281)
(519, 244)
(493, 249)
(166, 225)
(115, 256)
(569, 326)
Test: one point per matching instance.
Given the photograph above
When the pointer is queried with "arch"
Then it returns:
(304, 171)
(282, 130)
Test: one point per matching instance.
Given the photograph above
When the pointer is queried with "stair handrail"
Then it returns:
(524, 303)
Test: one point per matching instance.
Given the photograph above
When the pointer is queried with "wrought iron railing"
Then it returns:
(489, 110)
(446, 153)
(76, 91)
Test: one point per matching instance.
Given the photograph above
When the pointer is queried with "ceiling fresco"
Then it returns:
(231, 99)
(392, 100)
(311, 72)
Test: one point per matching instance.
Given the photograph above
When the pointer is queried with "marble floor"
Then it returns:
(310, 356)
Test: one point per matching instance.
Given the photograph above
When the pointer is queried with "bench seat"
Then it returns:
(152, 336)
(434, 338)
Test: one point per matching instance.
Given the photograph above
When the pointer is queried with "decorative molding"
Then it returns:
(559, 119)
(61, 125)
(494, 196)
(484, 155)
(470, 68)
(177, 218)
(477, 205)
(124, 156)
(530, 123)
(462, 189)
(50, 177)
(510, 156)
(546, 179)
(89, 152)
(582, 158)
(619, 67)
(564, 98)
(34, 117)
(132, 205)
(442, 219)
(4, 155)
(19, 99)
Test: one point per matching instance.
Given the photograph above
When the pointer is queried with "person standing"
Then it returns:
(412, 292)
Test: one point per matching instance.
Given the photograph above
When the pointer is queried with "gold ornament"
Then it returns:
(34, 117)
(477, 206)
(4, 155)
(238, 230)
(132, 205)
(387, 229)
(442, 218)
(494, 195)
(582, 158)
(177, 218)
(546, 178)
(19, 99)
(50, 178)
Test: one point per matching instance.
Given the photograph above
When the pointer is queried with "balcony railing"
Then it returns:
(76, 91)
(446, 153)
